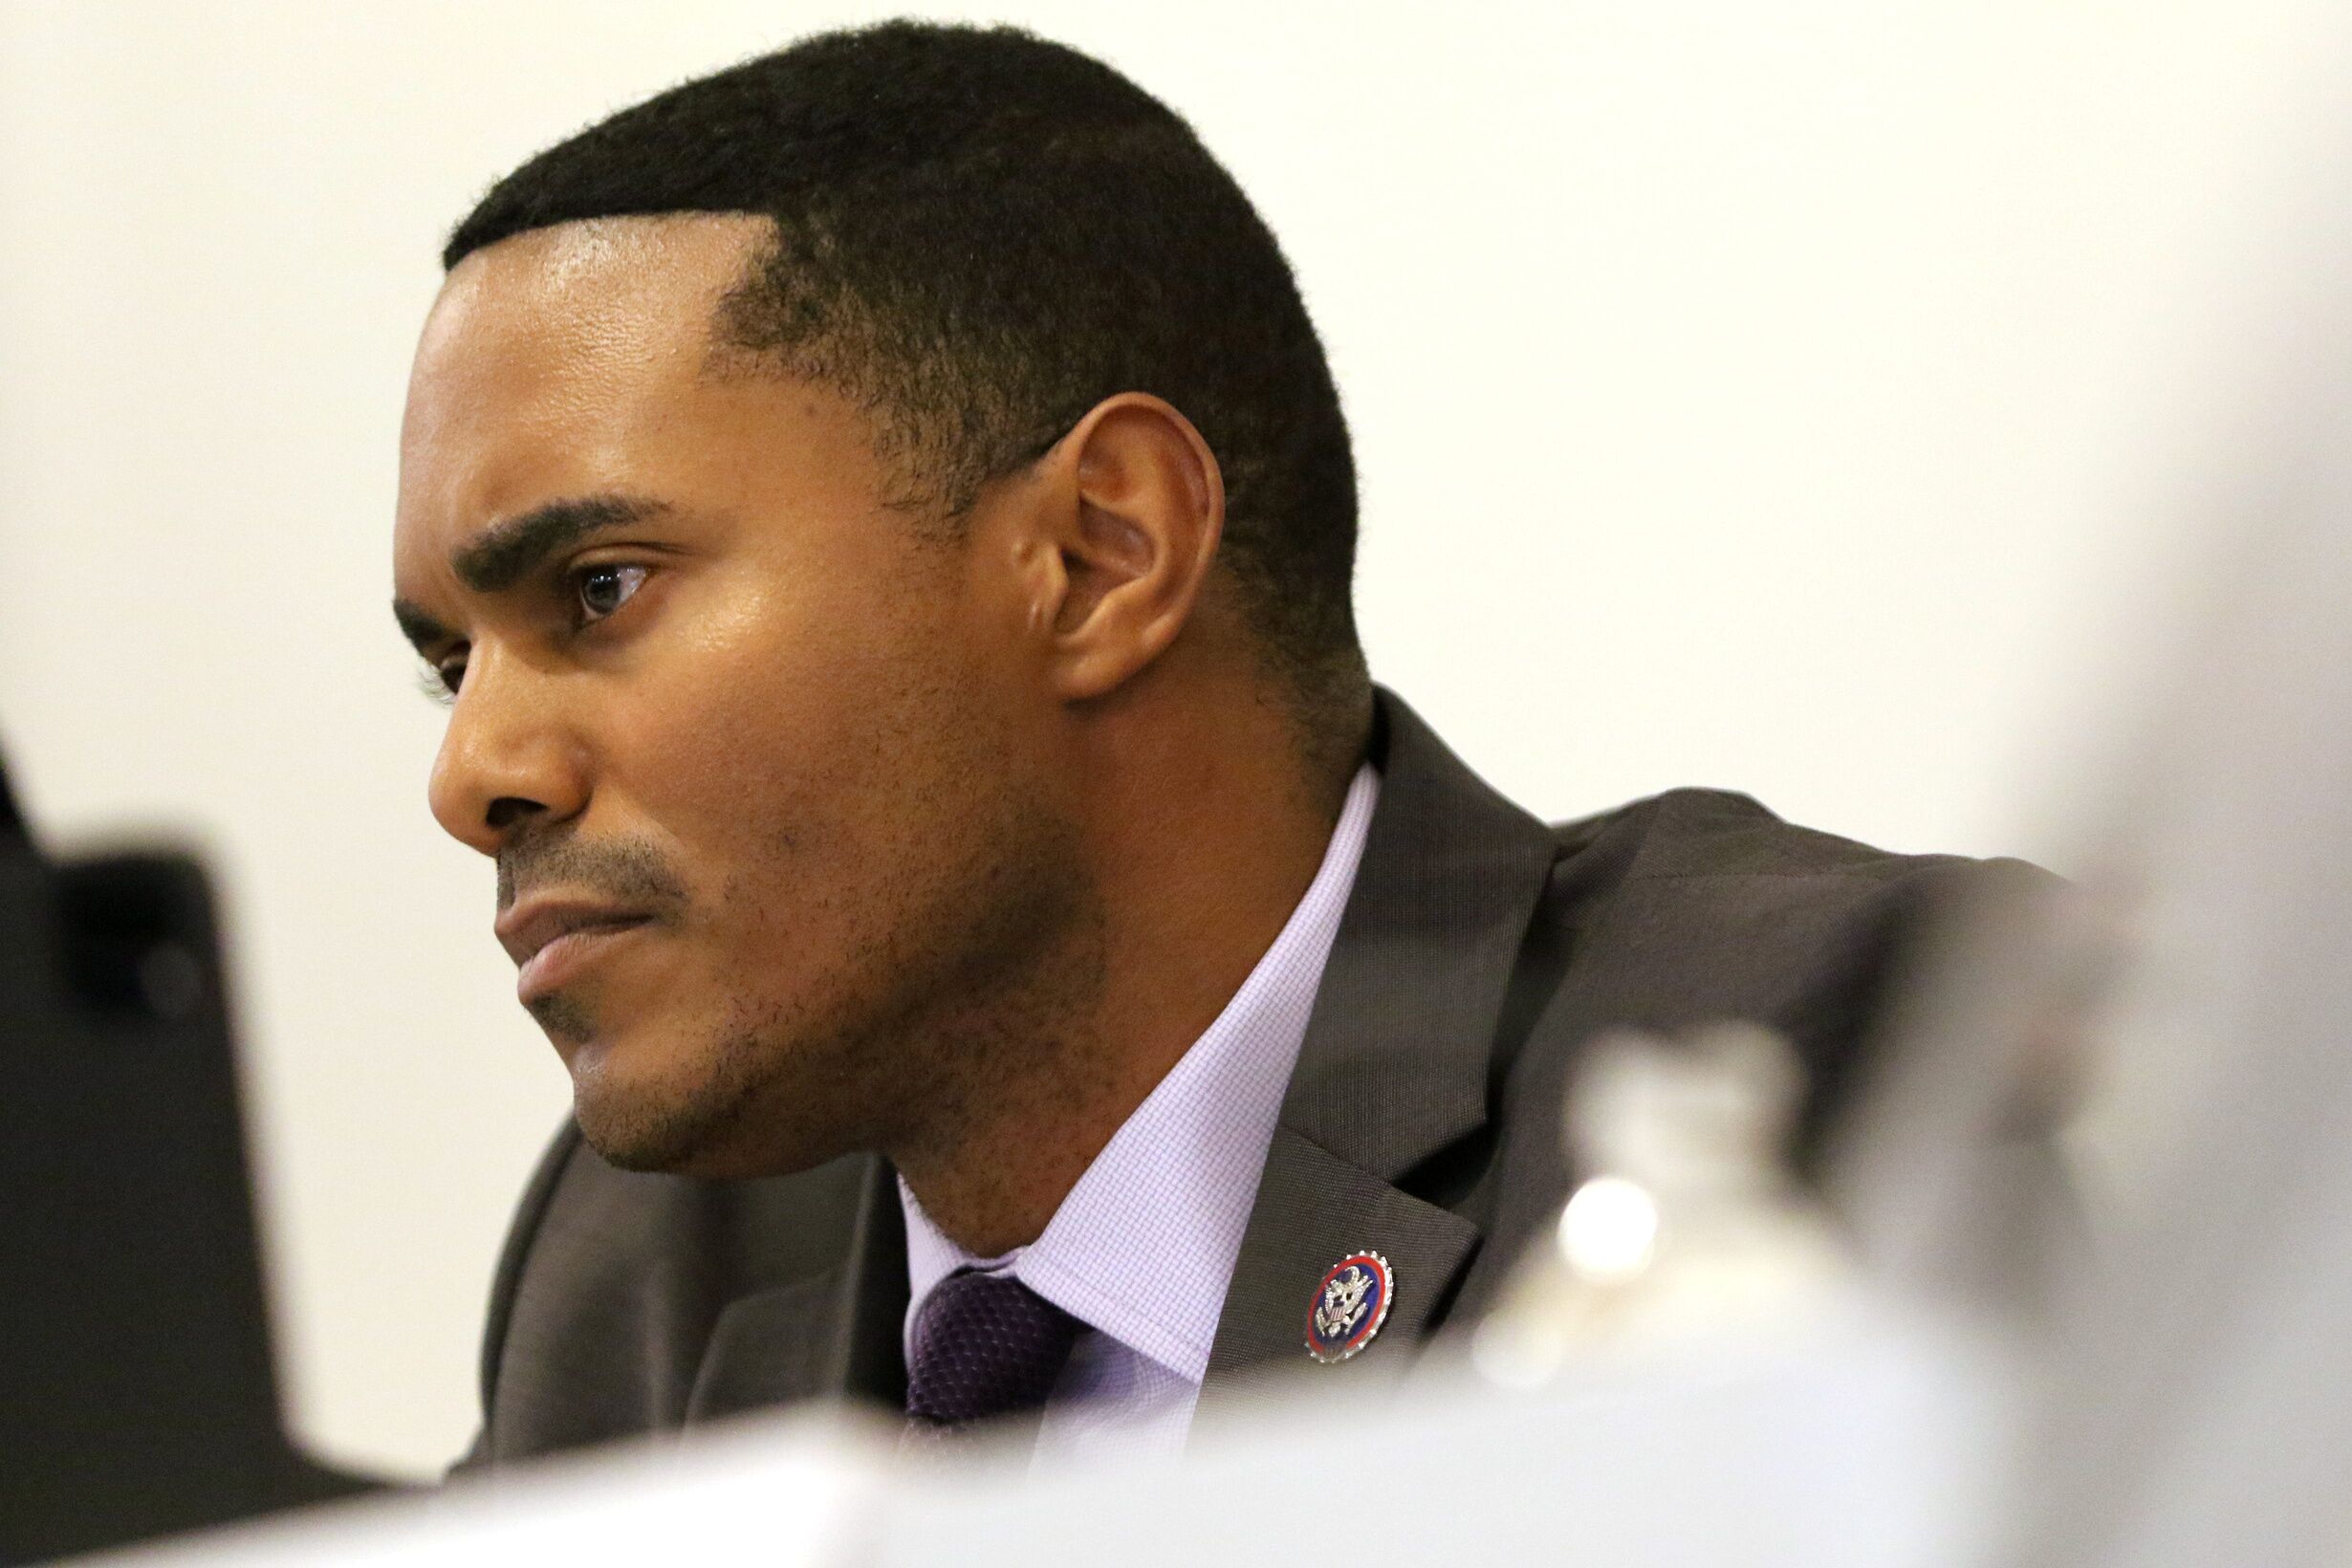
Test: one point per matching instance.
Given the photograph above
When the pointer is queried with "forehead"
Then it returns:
(550, 354)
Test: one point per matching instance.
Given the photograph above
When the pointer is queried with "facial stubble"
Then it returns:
(967, 979)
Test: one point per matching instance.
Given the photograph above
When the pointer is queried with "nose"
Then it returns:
(508, 759)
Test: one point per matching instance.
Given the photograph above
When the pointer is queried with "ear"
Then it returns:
(1137, 507)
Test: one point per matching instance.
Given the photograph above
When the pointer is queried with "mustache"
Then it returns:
(626, 871)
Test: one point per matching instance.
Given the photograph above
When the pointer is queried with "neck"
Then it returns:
(1202, 837)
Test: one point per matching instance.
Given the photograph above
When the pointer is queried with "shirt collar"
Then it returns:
(1142, 1247)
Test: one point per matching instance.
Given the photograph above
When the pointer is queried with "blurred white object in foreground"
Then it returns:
(1856, 1437)
(1691, 1223)
(794, 1490)
(2201, 1409)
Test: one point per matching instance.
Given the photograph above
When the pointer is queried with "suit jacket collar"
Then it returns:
(1395, 1064)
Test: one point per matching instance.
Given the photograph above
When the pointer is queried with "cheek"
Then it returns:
(795, 750)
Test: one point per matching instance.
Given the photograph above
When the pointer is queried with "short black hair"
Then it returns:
(979, 235)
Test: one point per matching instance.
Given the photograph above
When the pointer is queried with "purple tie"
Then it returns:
(984, 1345)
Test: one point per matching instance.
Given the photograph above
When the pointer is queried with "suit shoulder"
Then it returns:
(1699, 906)
(1707, 833)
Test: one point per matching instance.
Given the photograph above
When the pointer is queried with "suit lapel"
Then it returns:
(1313, 1210)
(1394, 1065)
(834, 1335)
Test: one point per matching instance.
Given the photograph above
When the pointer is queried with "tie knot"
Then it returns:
(984, 1345)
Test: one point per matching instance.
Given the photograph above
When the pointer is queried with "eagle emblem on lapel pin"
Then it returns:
(1351, 1303)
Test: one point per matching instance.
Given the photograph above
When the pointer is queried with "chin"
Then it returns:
(649, 1114)
(647, 1102)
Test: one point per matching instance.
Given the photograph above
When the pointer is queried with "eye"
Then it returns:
(601, 589)
(440, 680)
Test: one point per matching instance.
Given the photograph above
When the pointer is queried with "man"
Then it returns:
(884, 522)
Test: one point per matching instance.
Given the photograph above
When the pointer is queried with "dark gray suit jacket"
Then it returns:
(1479, 950)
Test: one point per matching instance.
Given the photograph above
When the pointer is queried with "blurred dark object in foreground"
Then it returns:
(136, 1389)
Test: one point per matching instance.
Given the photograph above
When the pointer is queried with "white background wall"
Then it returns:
(1810, 397)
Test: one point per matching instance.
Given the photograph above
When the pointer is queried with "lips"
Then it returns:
(551, 940)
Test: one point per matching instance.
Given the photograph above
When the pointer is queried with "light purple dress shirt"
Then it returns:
(1142, 1249)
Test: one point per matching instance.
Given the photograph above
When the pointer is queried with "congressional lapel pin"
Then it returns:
(1350, 1305)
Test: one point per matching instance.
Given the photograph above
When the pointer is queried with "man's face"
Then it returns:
(754, 753)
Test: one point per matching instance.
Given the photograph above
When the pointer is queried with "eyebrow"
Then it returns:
(506, 552)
